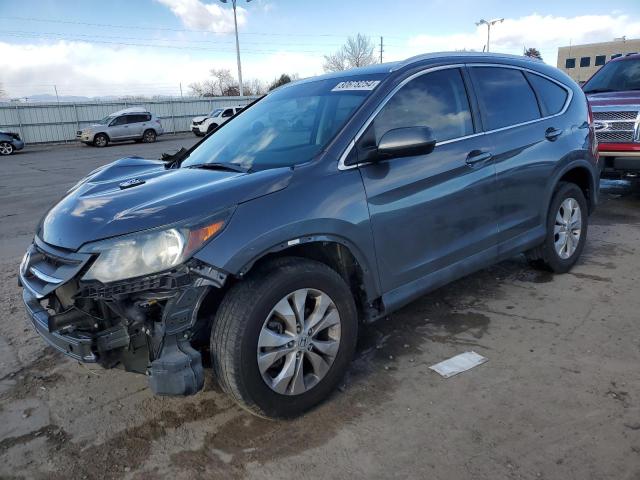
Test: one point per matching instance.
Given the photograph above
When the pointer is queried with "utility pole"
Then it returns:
(489, 23)
(235, 23)
(381, 48)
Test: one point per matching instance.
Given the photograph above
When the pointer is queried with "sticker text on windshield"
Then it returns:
(356, 85)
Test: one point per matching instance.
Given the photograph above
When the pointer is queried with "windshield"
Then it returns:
(105, 120)
(287, 127)
(619, 76)
(215, 112)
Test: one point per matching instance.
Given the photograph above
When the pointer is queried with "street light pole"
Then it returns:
(489, 23)
(235, 24)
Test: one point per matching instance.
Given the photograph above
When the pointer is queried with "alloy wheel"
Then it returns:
(299, 341)
(567, 228)
(6, 148)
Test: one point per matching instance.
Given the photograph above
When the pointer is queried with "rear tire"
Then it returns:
(567, 225)
(149, 136)
(6, 148)
(258, 357)
(101, 140)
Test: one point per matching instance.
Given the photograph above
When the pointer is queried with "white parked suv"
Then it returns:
(208, 123)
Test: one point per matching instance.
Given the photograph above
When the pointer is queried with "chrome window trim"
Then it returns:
(347, 151)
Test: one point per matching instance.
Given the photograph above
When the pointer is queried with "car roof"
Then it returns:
(129, 110)
(435, 57)
(626, 56)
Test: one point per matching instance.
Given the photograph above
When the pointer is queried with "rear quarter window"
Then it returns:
(552, 96)
(505, 97)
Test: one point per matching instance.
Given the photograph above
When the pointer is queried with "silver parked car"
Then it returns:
(129, 124)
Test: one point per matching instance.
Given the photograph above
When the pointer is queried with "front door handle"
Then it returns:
(476, 156)
(552, 133)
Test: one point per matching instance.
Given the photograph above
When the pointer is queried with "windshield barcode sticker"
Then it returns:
(356, 85)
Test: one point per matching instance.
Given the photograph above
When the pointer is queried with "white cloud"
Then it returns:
(85, 69)
(545, 32)
(203, 16)
(92, 69)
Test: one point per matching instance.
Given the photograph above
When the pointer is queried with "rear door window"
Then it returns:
(505, 97)
(552, 96)
(437, 100)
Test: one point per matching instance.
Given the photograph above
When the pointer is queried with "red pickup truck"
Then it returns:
(614, 96)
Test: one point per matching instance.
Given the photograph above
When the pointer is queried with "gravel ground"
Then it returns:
(559, 397)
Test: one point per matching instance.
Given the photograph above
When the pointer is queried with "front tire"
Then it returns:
(567, 225)
(6, 148)
(149, 136)
(101, 140)
(212, 128)
(283, 338)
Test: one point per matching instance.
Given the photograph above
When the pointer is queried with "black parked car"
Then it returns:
(329, 203)
(10, 142)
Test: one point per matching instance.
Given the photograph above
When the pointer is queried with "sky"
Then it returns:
(151, 47)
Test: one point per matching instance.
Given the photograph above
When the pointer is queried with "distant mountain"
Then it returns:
(48, 98)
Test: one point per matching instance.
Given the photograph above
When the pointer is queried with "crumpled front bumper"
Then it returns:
(147, 325)
(77, 345)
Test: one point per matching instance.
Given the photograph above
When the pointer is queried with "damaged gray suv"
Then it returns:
(327, 204)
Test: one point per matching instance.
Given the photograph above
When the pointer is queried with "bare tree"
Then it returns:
(533, 53)
(254, 87)
(356, 52)
(227, 85)
(204, 89)
(335, 62)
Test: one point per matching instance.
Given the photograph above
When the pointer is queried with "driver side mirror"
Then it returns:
(405, 142)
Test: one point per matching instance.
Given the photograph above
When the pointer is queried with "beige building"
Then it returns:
(582, 61)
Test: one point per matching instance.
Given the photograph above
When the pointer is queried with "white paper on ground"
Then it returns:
(459, 363)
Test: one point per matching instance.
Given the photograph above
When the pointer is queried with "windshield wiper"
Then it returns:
(221, 166)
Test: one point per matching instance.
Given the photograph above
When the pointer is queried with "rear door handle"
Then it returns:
(476, 156)
(552, 133)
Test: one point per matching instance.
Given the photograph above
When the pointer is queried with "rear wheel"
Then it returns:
(6, 148)
(283, 338)
(149, 136)
(567, 223)
(101, 140)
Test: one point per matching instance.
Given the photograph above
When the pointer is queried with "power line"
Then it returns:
(141, 27)
(152, 39)
(134, 44)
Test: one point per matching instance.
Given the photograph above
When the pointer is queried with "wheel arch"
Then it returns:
(338, 254)
(581, 173)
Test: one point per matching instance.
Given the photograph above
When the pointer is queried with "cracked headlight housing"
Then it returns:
(149, 252)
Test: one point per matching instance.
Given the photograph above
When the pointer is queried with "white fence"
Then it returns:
(58, 122)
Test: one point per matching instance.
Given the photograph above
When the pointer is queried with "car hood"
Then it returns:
(99, 207)
(614, 98)
(199, 119)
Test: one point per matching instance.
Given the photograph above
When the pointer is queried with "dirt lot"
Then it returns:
(559, 397)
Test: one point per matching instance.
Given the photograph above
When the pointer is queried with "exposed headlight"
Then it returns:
(148, 252)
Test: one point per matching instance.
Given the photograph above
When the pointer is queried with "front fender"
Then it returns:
(329, 208)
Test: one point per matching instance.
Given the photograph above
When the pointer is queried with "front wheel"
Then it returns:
(6, 148)
(149, 136)
(567, 223)
(101, 140)
(283, 338)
